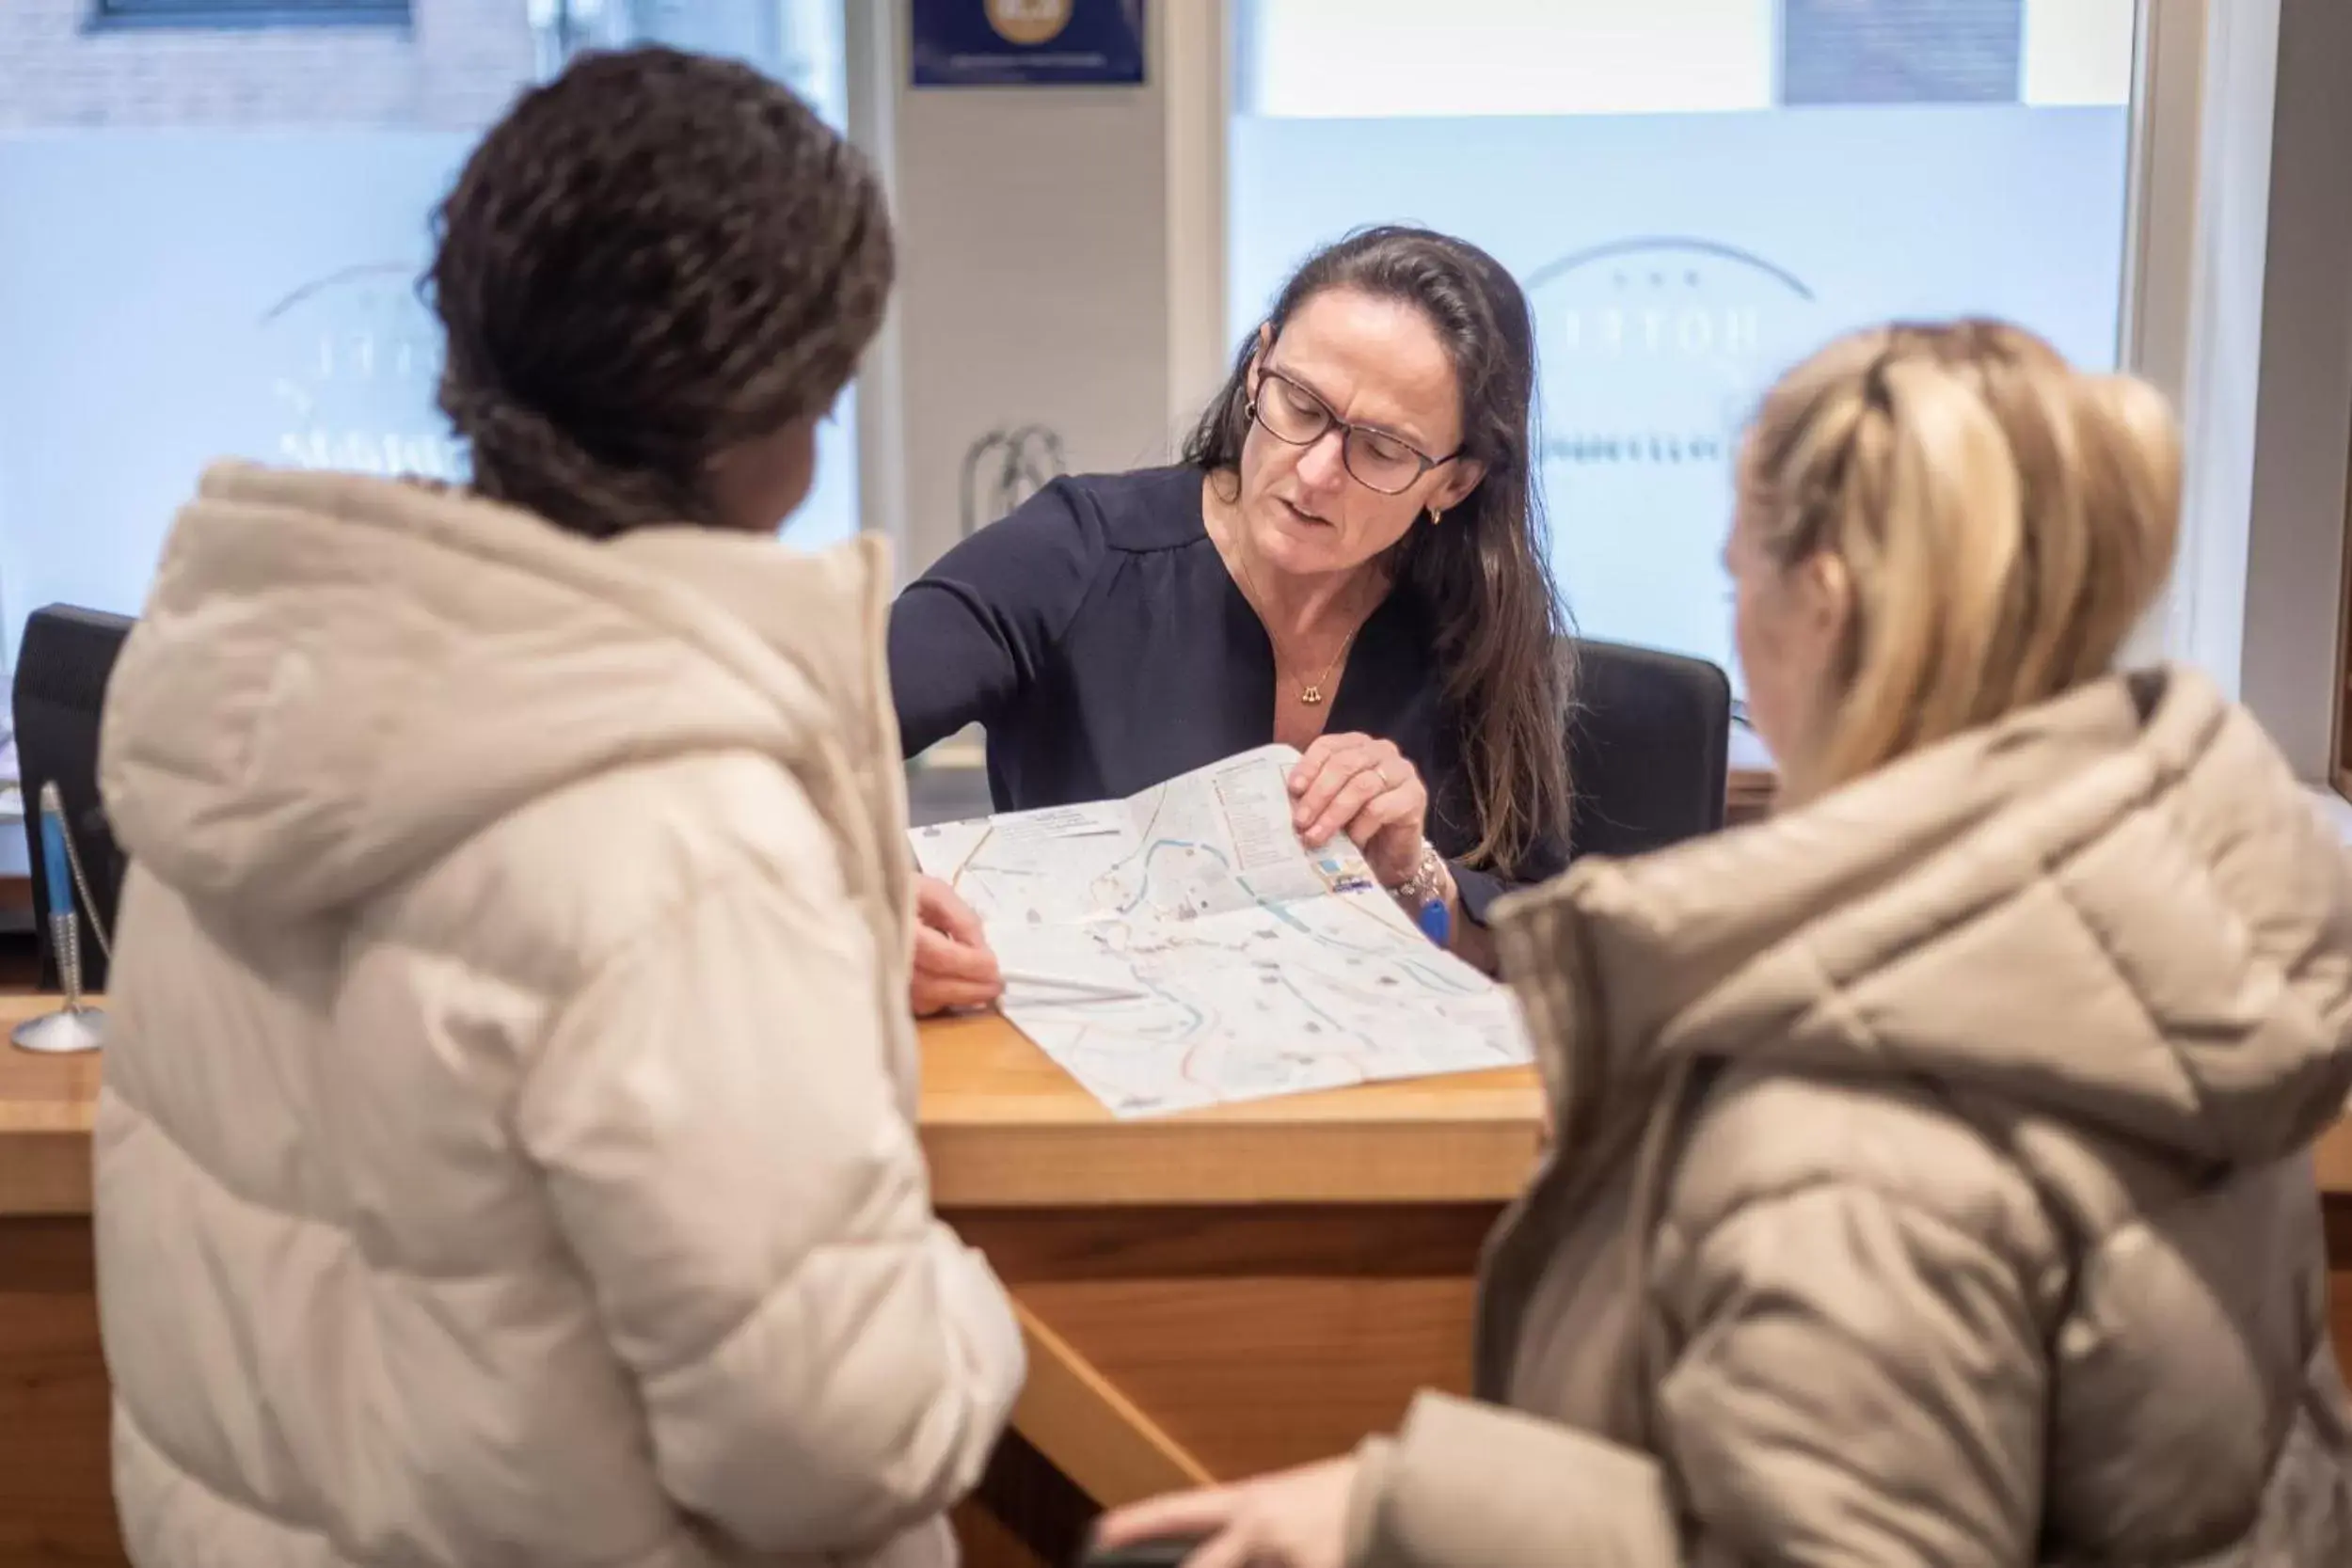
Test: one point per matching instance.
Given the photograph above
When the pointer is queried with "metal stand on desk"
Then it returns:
(75, 1026)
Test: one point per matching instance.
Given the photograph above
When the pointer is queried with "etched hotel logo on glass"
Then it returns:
(355, 359)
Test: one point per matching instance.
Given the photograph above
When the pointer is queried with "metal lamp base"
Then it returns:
(61, 1032)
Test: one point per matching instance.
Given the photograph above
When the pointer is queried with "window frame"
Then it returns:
(227, 15)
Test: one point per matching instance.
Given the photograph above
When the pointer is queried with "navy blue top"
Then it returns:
(1098, 636)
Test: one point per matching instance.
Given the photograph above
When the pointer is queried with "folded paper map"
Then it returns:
(1182, 948)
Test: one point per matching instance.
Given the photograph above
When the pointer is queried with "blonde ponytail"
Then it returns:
(2002, 520)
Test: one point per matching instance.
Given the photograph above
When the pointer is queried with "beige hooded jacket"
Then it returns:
(507, 1153)
(1930, 1184)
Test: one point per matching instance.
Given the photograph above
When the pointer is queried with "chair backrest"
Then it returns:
(62, 667)
(1649, 735)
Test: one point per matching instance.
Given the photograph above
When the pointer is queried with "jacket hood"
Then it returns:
(2117, 907)
(338, 679)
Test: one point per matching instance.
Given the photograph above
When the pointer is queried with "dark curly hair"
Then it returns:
(652, 257)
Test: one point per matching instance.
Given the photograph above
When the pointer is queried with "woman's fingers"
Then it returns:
(1293, 1519)
(952, 974)
(940, 907)
(1177, 1516)
(934, 991)
(1390, 825)
(953, 966)
(1347, 807)
(1362, 787)
(1234, 1548)
(1316, 765)
(941, 957)
(1311, 760)
(1350, 756)
(929, 997)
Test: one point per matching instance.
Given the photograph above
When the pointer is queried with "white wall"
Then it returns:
(1034, 280)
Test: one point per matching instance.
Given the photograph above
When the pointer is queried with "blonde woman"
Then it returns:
(1930, 1182)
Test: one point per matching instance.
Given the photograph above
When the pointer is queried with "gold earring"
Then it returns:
(1435, 516)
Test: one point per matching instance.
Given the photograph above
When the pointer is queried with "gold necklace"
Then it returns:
(1309, 695)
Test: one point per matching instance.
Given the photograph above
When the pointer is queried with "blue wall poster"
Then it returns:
(1027, 42)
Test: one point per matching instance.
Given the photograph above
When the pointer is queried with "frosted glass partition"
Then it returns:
(170, 294)
(1676, 259)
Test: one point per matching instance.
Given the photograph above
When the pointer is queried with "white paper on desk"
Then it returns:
(1264, 968)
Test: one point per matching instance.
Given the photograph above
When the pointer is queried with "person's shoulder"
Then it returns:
(1076, 524)
(1140, 510)
(1764, 1136)
(553, 890)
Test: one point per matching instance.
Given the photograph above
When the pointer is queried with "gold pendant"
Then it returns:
(1312, 696)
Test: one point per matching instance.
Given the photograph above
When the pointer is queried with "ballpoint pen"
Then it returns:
(1090, 991)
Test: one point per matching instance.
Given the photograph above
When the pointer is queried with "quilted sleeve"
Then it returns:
(1464, 1482)
(1861, 1381)
(1858, 1387)
(822, 1363)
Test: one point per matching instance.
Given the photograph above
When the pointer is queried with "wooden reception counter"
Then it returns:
(1205, 1296)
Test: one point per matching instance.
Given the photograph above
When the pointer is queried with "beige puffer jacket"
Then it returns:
(1930, 1184)
(507, 1153)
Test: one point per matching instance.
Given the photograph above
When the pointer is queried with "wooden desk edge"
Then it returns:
(1219, 1162)
(1136, 1166)
(48, 1171)
(1044, 1143)
(1003, 1128)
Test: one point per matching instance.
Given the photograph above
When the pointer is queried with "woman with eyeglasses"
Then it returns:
(1349, 559)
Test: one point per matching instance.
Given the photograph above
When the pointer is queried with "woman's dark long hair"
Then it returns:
(652, 257)
(1482, 571)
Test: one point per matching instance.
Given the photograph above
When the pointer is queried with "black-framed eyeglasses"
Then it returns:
(1379, 461)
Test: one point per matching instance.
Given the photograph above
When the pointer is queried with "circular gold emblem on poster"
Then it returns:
(1028, 21)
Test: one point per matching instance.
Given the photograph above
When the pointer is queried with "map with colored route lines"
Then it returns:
(1182, 948)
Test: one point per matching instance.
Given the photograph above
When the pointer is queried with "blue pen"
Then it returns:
(56, 864)
(53, 861)
(1435, 921)
(75, 1026)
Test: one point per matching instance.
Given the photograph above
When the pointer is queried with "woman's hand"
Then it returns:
(1294, 1519)
(953, 966)
(1364, 787)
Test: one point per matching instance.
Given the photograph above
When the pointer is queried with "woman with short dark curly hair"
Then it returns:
(648, 316)
(507, 1150)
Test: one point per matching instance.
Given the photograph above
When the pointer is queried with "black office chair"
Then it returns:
(62, 667)
(1650, 737)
